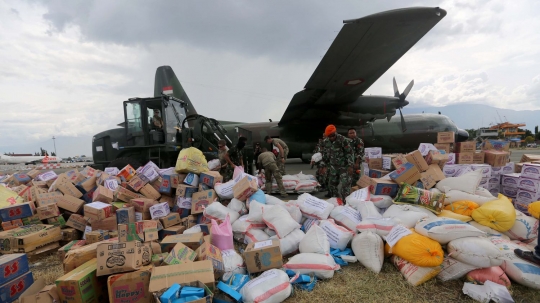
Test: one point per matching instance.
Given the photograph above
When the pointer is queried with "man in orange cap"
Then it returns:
(339, 158)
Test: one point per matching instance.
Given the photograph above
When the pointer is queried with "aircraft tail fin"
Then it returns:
(167, 83)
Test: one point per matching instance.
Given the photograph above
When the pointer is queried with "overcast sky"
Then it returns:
(68, 65)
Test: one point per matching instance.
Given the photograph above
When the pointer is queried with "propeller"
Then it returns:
(402, 102)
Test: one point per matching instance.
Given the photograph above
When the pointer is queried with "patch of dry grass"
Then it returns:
(354, 283)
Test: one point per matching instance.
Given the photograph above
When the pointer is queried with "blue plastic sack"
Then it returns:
(257, 196)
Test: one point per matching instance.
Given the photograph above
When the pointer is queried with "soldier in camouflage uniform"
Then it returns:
(339, 157)
(320, 174)
(234, 157)
(358, 147)
(268, 160)
(283, 152)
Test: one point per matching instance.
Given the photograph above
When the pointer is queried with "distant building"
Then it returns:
(509, 130)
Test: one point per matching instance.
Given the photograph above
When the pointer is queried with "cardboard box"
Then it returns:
(40, 293)
(210, 178)
(125, 215)
(77, 221)
(127, 172)
(43, 199)
(200, 200)
(12, 290)
(479, 157)
(387, 163)
(446, 147)
(180, 254)
(186, 191)
(165, 276)
(364, 181)
(57, 221)
(69, 189)
(96, 236)
(464, 158)
(103, 194)
(496, 158)
(21, 179)
(170, 220)
(531, 171)
(88, 184)
(80, 284)
(150, 192)
(507, 169)
(159, 210)
(445, 137)
(136, 183)
(143, 205)
(192, 241)
(254, 252)
(383, 187)
(243, 189)
(496, 145)
(170, 200)
(70, 203)
(435, 157)
(9, 225)
(31, 220)
(207, 251)
(97, 210)
(28, 238)
(17, 211)
(399, 160)
(509, 191)
(407, 173)
(452, 158)
(431, 176)
(157, 259)
(376, 173)
(465, 147)
(373, 152)
(532, 185)
(417, 159)
(70, 234)
(177, 179)
(12, 266)
(130, 287)
(525, 197)
(118, 257)
(173, 230)
(510, 180)
(375, 163)
(109, 223)
(48, 211)
(126, 195)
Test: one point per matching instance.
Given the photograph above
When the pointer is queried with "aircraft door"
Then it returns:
(133, 116)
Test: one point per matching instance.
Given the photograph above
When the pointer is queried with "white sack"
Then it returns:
(368, 248)
(291, 242)
(476, 251)
(315, 241)
(457, 195)
(490, 232)
(273, 285)
(525, 228)
(255, 214)
(294, 211)
(346, 216)
(271, 200)
(218, 212)
(238, 206)
(225, 190)
(408, 215)
(313, 207)
(242, 225)
(338, 236)
(255, 235)
(468, 182)
(381, 201)
(322, 266)
(519, 270)
(368, 210)
(444, 230)
(214, 164)
(380, 226)
(453, 269)
(233, 263)
(279, 219)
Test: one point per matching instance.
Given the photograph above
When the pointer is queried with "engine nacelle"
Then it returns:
(370, 107)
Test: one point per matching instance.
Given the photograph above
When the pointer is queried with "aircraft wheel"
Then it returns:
(122, 162)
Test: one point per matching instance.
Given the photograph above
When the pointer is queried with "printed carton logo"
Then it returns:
(510, 181)
(526, 182)
(16, 288)
(116, 260)
(123, 294)
(15, 212)
(11, 269)
(506, 169)
(510, 191)
(526, 195)
(531, 170)
(68, 291)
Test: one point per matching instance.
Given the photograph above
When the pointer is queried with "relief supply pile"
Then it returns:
(183, 235)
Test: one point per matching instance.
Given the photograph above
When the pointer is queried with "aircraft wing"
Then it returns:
(363, 50)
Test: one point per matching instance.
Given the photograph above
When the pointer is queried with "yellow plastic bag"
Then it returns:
(498, 214)
(463, 207)
(534, 209)
(191, 160)
(9, 197)
(418, 250)
(452, 215)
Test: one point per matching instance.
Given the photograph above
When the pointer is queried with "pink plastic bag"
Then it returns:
(222, 234)
(238, 171)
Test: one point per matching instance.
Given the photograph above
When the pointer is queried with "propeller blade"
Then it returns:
(407, 89)
(396, 91)
(403, 127)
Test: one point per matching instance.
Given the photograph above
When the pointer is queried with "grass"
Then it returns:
(353, 283)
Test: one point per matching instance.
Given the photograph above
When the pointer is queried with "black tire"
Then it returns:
(122, 162)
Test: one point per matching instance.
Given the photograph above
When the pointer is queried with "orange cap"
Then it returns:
(329, 130)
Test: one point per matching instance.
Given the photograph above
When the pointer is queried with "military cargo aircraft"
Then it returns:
(363, 50)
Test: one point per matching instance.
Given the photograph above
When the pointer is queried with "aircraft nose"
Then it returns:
(462, 135)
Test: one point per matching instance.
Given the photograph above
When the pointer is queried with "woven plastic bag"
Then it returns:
(191, 160)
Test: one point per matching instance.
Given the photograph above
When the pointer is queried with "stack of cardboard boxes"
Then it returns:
(523, 187)
(16, 276)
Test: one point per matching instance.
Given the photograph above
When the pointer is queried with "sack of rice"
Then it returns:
(477, 251)
(414, 274)
(368, 248)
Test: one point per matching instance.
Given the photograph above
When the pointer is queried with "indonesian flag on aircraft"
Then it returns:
(167, 90)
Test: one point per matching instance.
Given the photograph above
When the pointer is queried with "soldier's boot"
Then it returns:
(268, 187)
(281, 187)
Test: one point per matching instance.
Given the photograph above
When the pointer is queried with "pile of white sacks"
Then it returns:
(421, 244)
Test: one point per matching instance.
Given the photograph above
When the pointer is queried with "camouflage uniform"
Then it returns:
(236, 156)
(280, 164)
(321, 174)
(358, 148)
(268, 161)
(339, 157)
